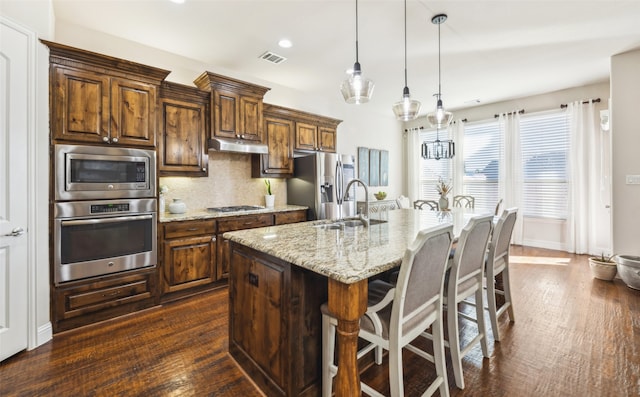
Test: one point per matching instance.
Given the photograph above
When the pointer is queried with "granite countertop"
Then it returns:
(350, 254)
(203, 213)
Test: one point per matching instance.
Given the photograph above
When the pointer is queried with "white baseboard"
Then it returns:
(44, 335)
(552, 245)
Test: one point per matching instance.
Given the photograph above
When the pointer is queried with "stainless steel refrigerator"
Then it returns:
(319, 183)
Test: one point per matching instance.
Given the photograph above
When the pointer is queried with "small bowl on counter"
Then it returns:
(380, 195)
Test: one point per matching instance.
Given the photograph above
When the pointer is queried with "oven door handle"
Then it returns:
(106, 220)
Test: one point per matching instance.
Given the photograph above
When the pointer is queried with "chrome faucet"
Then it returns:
(363, 218)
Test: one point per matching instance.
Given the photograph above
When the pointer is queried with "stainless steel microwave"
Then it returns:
(101, 172)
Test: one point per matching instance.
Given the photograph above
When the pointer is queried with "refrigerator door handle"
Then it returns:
(339, 182)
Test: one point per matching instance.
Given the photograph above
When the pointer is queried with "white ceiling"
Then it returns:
(491, 50)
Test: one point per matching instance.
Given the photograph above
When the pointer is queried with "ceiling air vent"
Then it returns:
(273, 58)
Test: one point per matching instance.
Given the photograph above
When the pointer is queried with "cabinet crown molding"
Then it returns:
(70, 56)
(208, 80)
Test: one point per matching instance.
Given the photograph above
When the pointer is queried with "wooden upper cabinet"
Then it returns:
(184, 124)
(306, 136)
(95, 98)
(279, 133)
(327, 139)
(236, 107)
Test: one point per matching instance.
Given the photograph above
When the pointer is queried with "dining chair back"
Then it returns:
(403, 202)
(465, 279)
(498, 263)
(426, 204)
(464, 201)
(398, 314)
(497, 212)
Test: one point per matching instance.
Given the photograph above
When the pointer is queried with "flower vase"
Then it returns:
(443, 203)
(269, 200)
(161, 204)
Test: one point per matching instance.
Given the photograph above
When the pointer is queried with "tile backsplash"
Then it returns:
(229, 183)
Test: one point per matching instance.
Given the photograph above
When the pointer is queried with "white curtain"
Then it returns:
(413, 150)
(510, 181)
(584, 180)
(456, 131)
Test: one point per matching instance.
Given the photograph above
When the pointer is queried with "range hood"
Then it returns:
(238, 146)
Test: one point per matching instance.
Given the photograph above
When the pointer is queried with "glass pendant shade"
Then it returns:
(439, 118)
(406, 109)
(357, 89)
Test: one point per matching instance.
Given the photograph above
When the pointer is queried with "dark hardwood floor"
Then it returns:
(573, 336)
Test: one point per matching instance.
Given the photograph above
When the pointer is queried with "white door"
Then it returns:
(14, 111)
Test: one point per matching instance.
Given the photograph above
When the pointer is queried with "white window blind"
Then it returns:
(482, 145)
(545, 150)
(433, 170)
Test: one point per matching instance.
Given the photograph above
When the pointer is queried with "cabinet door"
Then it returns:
(182, 147)
(79, 105)
(327, 138)
(258, 314)
(306, 136)
(224, 258)
(189, 262)
(133, 107)
(279, 137)
(225, 114)
(251, 118)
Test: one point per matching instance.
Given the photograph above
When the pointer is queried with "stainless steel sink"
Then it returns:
(329, 226)
(341, 224)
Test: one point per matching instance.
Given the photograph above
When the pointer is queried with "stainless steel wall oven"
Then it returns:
(95, 238)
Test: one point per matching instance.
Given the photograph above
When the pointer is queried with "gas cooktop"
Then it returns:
(235, 208)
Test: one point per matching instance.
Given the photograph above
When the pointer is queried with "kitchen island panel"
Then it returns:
(274, 331)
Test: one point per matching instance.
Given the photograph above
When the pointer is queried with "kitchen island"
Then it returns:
(280, 276)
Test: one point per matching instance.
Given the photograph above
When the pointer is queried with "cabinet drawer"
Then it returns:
(245, 222)
(290, 217)
(101, 295)
(189, 228)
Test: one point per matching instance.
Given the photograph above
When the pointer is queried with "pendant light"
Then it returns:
(406, 109)
(356, 89)
(440, 117)
(436, 150)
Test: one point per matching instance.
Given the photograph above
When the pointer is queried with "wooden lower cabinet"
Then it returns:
(236, 223)
(188, 257)
(274, 318)
(85, 302)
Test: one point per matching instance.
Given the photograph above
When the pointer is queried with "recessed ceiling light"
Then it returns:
(285, 43)
(177, 1)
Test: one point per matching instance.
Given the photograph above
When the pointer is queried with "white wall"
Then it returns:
(625, 107)
(38, 17)
(540, 232)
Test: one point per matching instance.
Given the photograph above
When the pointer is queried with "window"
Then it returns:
(482, 148)
(544, 139)
(431, 171)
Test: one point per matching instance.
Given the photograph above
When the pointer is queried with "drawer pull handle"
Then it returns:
(192, 229)
(114, 293)
(253, 279)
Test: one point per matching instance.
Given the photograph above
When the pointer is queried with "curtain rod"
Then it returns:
(422, 127)
(521, 111)
(596, 100)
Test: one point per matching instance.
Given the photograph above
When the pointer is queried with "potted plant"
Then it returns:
(269, 199)
(603, 267)
(443, 190)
